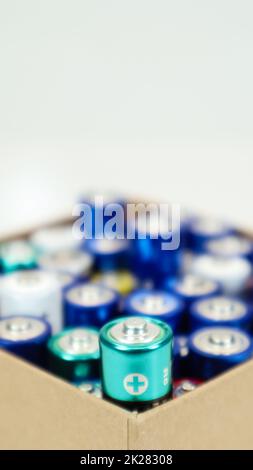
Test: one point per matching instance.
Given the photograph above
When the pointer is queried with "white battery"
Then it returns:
(75, 262)
(33, 292)
(53, 239)
(231, 273)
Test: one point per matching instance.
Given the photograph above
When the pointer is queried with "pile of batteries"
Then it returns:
(125, 319)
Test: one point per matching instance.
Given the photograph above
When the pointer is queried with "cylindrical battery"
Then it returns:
(184, 386)
(75, 262)
(92, 388)
(26, 337)
(189, 289)
(221, 311)
(214, 350)
(53, 239)
(124, 282)
(100, 209)
(180, 357)
(109, 254)
(150, 260)
(90, 305)
(140, 350)
(231, 246)
(17, 255)
(33, 292)
(73, 354)
(157, 304)
(203, 229)
(231, 273)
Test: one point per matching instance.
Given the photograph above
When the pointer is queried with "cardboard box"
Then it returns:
(40, 411)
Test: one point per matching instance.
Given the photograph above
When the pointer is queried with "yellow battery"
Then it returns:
(122, 281)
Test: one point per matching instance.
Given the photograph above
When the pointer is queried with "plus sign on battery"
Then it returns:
(135, 384)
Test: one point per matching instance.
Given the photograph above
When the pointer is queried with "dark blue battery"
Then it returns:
(26, 337)
(151, 261)
(231, 246)
(157, 304)
(90, 305)
(190, 288)
(221, 311)
(201, 230)
(99, 210)
(109, 255)
(214, 350)
(180, 357)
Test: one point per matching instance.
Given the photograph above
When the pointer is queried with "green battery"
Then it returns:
(74, 355)
(17, 255)
(136, 360)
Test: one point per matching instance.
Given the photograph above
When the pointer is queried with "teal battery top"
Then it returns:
(136, 359)
(17, 255)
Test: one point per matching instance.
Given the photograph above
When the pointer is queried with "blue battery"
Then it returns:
(201, 230)
(214, 350)
(99, 210)
(109, 255)
(231, 246)
(156, 304)
(150, 260)
(221, 311)
(191, 288)
(180, 357)
(26, 337)
(90, 305)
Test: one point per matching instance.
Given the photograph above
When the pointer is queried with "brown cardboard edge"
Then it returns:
(215, 416)
(41, 411)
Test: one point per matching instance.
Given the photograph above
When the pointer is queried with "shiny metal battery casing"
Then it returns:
(73, 354)
(157, 304)
(221, 311)
(17, 255)
(214, 350)
(136, 360)
(121, 281)
(32, 292)
(25, 336)
(150, 262)
(109, 254)
(75, 262)
(90, 304)
(202, 229)
(180, 356)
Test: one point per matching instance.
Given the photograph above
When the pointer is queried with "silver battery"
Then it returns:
(53, 239)
(20, 328)
(135, 330)
(183, 388)
(91, 388)
(221, 341)
(36, 293)
(231, 273)
(75, 262)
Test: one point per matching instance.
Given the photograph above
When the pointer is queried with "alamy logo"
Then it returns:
(129, 221)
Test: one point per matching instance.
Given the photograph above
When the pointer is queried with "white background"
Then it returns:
(147, 97)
